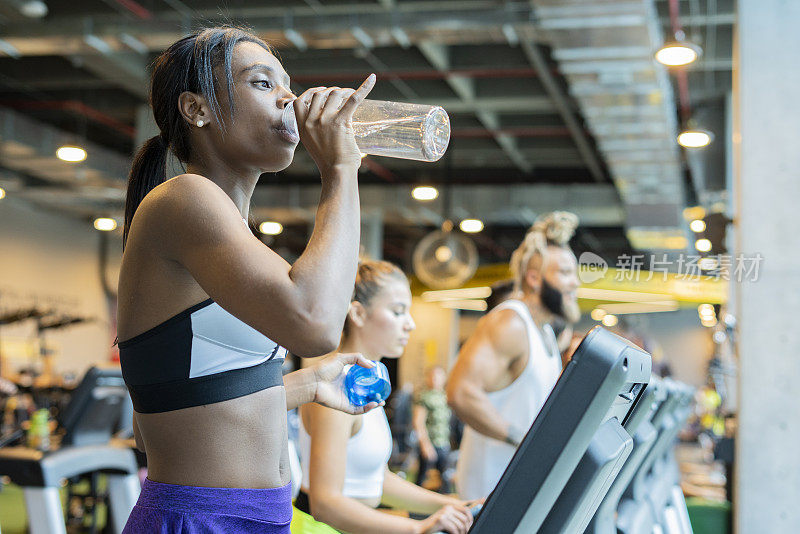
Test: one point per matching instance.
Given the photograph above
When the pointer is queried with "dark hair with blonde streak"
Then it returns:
(371, 278)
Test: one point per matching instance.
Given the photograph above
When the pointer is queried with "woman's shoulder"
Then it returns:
(183, 190)
(186, 196)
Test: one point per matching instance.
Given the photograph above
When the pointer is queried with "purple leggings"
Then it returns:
(173, 509)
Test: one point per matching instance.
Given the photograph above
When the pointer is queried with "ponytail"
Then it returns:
(187, 65)
(149, 169)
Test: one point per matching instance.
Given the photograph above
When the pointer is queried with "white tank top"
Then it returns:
(482, 460)
(366, 457)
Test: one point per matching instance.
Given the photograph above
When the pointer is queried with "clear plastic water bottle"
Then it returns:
(395, 129)
(364, 385)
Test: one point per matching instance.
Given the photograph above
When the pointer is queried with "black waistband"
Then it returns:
(174, 395)
(302, 503)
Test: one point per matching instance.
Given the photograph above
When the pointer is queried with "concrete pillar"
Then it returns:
(766, 138)
(372, 233)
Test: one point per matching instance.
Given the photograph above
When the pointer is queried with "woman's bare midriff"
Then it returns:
(238, 443)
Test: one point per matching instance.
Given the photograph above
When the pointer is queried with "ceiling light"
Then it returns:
(471, 226)
(457, 294)
(598, 314)
(610, 320)
(474, 305)
(443, 254)
(425, 192)
(698, 225)
(270, 228)
(695, 138)
(678, 53)
(694, 212)
(702, 245)
(708, 322)
(706, 309)
(2, 193)
(105, 224)
(73, 154)
(34, 9)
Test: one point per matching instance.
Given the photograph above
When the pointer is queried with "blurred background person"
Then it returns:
(432, 426)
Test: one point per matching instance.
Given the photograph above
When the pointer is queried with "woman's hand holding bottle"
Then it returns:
(329, 376)
(325, 121)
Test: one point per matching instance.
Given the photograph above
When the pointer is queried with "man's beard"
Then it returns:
(554, 301)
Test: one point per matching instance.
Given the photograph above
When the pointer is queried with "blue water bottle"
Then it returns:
(364, 385)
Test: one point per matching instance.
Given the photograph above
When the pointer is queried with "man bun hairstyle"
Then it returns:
(550, 230)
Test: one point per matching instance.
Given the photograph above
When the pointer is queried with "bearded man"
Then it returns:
(507, 368)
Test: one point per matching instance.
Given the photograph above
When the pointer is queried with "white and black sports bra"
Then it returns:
(202, 355)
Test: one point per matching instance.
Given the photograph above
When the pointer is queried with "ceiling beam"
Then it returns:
(322, 18)
(561, 102)
(125, 70)
(437, 55)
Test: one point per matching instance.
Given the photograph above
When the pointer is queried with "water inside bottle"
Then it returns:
(394, 129)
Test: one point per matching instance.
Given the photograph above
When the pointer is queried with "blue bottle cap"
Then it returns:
(364, 385)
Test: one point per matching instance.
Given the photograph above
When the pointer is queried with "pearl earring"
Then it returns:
(200, 123)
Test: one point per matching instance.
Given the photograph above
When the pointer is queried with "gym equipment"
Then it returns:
(598, 470)
(653, 499)
(89, 420)
(593, 400)
(644, 435)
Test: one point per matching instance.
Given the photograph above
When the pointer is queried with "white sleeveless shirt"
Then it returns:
(482, 460)
(366, 456)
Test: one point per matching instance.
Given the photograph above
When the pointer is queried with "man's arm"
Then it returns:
(499, 339)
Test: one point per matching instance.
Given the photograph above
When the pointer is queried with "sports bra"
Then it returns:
(366, 456)
(202, 355)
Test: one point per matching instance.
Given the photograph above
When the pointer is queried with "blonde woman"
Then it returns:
(345, 476)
